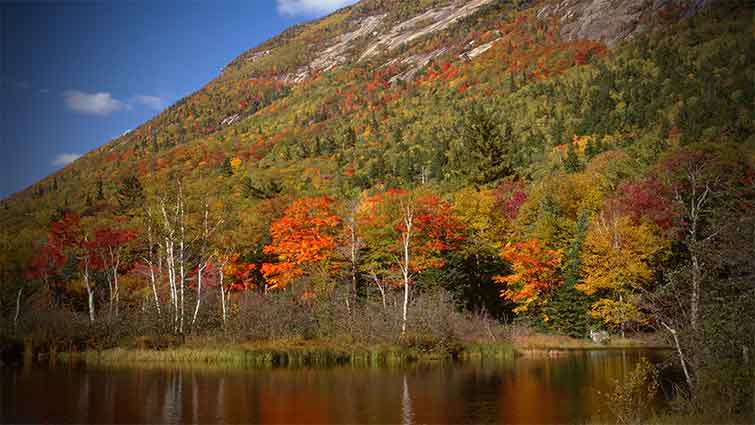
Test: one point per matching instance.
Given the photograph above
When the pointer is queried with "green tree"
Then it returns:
(571, 163)
(100, 192)
(130, 194)
(225, 168)
(568, 310)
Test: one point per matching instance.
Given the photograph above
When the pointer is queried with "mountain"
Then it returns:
(578, 164)
(551, 109)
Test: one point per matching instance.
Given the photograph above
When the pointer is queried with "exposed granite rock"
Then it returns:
(609, 21)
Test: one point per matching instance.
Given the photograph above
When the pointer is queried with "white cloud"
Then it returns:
(101, 103)
(153, 102)
(310, 7)
(65, 158)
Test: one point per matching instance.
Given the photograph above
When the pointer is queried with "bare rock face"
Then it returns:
(608, 21)
(426, 23)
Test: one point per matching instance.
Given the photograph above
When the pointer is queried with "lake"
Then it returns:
(561, 389)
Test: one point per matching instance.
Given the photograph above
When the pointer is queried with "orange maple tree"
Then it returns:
(535, 272)
(304, 236)
(435, 231)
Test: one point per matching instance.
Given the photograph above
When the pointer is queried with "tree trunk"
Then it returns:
(110, 294)
(406, 239)
(222, 295)
(90, 293)
(354, 253)
(150, 262)
(154, 288)
(406, 305)
(621, 300)
(695, 296)
(380, 288)
(181, 259)
(687, 376)
(115, 285)
(170, 263)
(199, 295)
(18, 308)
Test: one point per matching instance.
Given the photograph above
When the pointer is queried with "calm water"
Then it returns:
(525, 390)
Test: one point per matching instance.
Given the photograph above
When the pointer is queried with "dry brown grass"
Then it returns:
(550, 342)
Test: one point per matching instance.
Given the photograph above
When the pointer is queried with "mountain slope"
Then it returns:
(450, 94)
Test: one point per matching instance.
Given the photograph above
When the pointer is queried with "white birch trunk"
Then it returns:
(181, 259)
(199, 293)
(90, 292)
(405, 241)
(18, 308)
(380, 288)
(222, 296)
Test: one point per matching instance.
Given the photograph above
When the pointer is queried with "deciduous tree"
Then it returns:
(303, 237)
(535, 274)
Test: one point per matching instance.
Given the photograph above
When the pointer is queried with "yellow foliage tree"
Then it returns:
(616, 262)
(235, 164)
(476, 210)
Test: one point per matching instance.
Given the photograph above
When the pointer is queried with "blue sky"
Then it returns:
(73, 75)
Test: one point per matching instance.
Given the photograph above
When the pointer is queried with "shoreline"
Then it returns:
(322, 353)
(287, 354)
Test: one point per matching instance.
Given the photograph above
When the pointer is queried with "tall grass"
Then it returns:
(289, 356)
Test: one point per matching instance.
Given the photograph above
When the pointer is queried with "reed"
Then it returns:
(293, 354)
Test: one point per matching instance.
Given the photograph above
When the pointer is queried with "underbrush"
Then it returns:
(277, 327)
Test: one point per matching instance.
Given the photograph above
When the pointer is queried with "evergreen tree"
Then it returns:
(377, 168)
(130, 194)
(572, 163)
(487, 146)
(226, 169)
(100, 192)
(591, 149)
(569, 308)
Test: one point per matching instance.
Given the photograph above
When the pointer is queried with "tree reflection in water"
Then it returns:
(406, 405)
(523, 390)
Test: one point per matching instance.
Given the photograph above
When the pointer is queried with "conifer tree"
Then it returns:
(100, 193)
(571, 163)
(226, 169)
(568, 309)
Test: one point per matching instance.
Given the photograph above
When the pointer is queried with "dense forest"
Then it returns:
(491, 172)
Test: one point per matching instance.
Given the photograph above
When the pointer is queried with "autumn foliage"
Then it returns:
(534, 273)
(435, 229)
(304, 236)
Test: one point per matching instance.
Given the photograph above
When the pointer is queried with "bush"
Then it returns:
(631, 401)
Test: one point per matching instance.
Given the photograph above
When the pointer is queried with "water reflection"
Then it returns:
(525, 390)
(406, 405)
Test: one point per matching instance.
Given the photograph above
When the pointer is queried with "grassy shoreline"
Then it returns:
(291, 354)
(301, 353)
(566, 343)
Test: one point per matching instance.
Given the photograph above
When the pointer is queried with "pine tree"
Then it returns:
(571, 163)
(100, 193)
(590, 150)
(568, 310)
(377, 168)
(226, 169)
(130, 194)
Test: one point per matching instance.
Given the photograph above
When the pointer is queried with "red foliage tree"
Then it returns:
(304, 236)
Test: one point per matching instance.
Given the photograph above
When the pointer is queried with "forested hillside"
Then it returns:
(571, 165)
